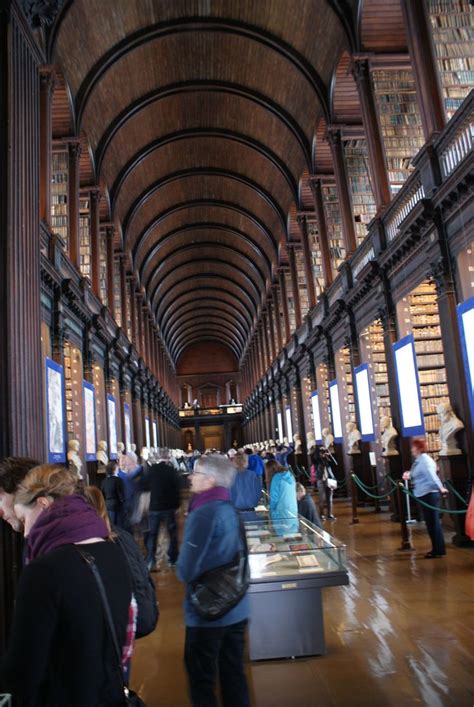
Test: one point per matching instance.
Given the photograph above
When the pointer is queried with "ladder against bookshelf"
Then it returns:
(400, 122)
(85, 236)
(302, 284)
(103, 266)
(316, 259)
(291, 302)
(334, 226)
(452, 24)
(419, 315)
(363, 202)
(59, 194)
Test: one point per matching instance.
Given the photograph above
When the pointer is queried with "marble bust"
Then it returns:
(75, 461)
(310, 441)
(388, 437)
(450, 426)
(102, 457)
(144, 454)
(120, 448)
(297, 443)
(353, 438)
(133, 453)
(328, 439)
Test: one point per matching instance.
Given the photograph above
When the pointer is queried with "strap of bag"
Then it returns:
(90, 561)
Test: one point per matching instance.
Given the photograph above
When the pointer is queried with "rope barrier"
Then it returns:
(367, 493)
(375, 486)
(428, 505)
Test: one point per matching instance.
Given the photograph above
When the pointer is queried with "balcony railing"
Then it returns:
(407, 198)
(206, 412)
(457, 141)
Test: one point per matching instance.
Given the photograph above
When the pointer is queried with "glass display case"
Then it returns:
(291, 561)
(291, 547)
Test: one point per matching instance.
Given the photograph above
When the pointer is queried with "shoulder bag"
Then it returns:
(217, 591)
(130, 698)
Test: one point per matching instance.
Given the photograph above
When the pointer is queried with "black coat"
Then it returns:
(114, 493)
(307, 509)
(164, 483)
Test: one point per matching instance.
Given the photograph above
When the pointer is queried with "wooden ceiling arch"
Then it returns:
(204, 175)
(201, 118)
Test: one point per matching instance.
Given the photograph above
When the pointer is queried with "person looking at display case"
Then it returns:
(322, 461)
(306, 506)
(282, 487)
(427, 487)
(246, 489)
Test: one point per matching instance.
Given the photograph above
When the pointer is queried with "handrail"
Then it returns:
(457, 141)
(409, 195)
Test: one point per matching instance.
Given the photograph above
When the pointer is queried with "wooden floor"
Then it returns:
(401, 634)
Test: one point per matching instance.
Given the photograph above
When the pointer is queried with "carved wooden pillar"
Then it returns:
(343, 190)
(276, 300)
(47, 83)
(138, 304)
(294, 283)
(316, 190)
(74, 153)
(307, 258)
(95, 241)
(284, 304)
(266, 343)
(375, 147)
(425, 68)
(109, 236)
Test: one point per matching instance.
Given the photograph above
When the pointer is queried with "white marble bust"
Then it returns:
(353, 438)
(73, 457)
(102, 456)
(297, 443)
(144, 454)
(133, 453)
(450, 426)
(310, 441)
(120, 448)
(388, 437)
(328, 439)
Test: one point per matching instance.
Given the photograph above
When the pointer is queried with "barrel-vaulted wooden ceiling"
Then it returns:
(201, 116)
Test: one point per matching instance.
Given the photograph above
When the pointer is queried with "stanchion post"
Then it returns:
(355, 517)
(375, 483)
(406, 544)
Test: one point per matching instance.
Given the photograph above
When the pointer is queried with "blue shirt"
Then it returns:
(246, 490)
(211, 539)
(424, 477)
(282, 457)
(257, 464)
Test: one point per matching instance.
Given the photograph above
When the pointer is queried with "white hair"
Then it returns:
(217, 467)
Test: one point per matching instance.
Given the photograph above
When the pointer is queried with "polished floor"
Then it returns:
(401, 634)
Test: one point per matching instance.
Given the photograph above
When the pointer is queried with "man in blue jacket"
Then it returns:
(212, 539)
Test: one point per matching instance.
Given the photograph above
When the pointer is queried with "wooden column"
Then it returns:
(276, 300)
(343, 190)
(266, 343)
(95, 241)
(109, 235)
(294, 283)
(425, 68)
(138, 304)
(74, 153)
(284, 304)
(47, 83)
(323, 231)
(307, 259)
(375, 146)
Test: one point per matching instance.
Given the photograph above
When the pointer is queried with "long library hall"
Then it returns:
(237, 353)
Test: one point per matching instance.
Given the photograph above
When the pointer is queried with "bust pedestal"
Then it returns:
(453, 468)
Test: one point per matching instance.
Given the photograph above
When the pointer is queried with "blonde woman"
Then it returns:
(60, 651)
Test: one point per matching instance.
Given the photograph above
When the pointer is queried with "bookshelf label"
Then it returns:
(89, 421)
(466, 326)
(364, 403)
(289, 424)
(408, 387)
(335, 410)
(318, 434)
(112, 418)
(280, 427)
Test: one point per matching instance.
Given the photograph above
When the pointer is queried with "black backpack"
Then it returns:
(143, 586)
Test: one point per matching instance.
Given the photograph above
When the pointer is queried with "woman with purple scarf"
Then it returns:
(60, 651)
(212, 539)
